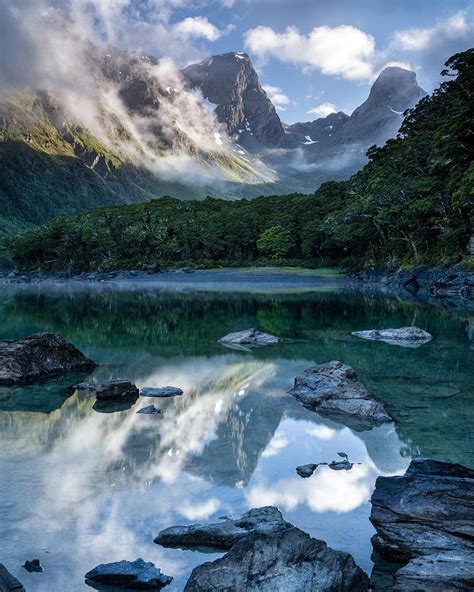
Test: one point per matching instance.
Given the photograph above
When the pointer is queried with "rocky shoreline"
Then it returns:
(452, 286)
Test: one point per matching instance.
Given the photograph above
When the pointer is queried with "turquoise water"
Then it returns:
(80, 487)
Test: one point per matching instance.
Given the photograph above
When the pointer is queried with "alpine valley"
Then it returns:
(152, 130)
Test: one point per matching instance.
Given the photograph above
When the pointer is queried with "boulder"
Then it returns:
(115, 390)
(150, 410)
(426, 517)
(38, 357)
(163, 391)
(405, 336)
(224, 534)
(248, 339)
(133, 575)
(332, 389)
(8, 583)
(33, 566)
(288, 560)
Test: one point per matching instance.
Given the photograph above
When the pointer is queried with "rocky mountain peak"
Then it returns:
(394, 91)
(230, 82)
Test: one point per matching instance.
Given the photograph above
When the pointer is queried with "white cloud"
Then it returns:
(323, 110)
(277, 96)
(197, 27)
(200, 511)
(421, 39)
(340, 51)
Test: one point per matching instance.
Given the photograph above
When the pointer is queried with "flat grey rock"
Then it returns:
(9, 583)
(405, 336)
(38, 357)
(426, 516)
(332, 389)
(150, 410)
(288, 560)
(248, 339)
(136, 574)
(224, 534)
(164, 391)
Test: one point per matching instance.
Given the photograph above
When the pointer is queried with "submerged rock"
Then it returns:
(405, 336)
(136, 574)
(306, 471)
(426, 517)
(33, 566)
(8, 583)
(224, 534)
(288, 560)
(163, 391)
(150, 410)
(332, 389)
(115, 390)
(248, 339)
(39, 356)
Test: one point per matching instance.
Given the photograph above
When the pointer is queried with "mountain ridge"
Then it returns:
(148, 115)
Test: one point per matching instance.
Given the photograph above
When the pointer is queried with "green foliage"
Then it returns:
(275, 242)
(411, 204)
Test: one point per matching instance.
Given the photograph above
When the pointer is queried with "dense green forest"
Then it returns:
(411, 204)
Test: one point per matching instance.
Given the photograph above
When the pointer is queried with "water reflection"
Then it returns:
(81, 487)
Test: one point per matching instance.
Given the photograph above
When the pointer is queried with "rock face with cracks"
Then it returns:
(38, 357)
(332, 389)
(288, 560)
(426, 518)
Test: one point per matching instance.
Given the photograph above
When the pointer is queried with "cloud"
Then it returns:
(339, 51)
(196, 27)
(455, 27)
(429, 48)
(323, 110)
(63, 52)
(277, 96)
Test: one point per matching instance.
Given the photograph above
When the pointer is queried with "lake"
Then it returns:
(80, 486)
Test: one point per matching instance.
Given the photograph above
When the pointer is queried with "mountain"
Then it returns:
(331, 147)
(133, 133)
(319, 130)
(135, 129)
(381, 115)
(230, 83)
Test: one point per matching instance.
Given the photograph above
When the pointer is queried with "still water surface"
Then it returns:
(80, 486)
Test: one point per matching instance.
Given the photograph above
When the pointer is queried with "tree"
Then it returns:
(275, 242)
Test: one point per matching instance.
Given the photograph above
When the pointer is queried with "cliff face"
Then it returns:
(231, 83)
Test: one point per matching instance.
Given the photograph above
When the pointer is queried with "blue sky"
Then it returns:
(313, 56)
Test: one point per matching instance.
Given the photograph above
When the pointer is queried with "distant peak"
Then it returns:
(395, 74)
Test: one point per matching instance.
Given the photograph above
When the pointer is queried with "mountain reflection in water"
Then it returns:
(80, 487)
